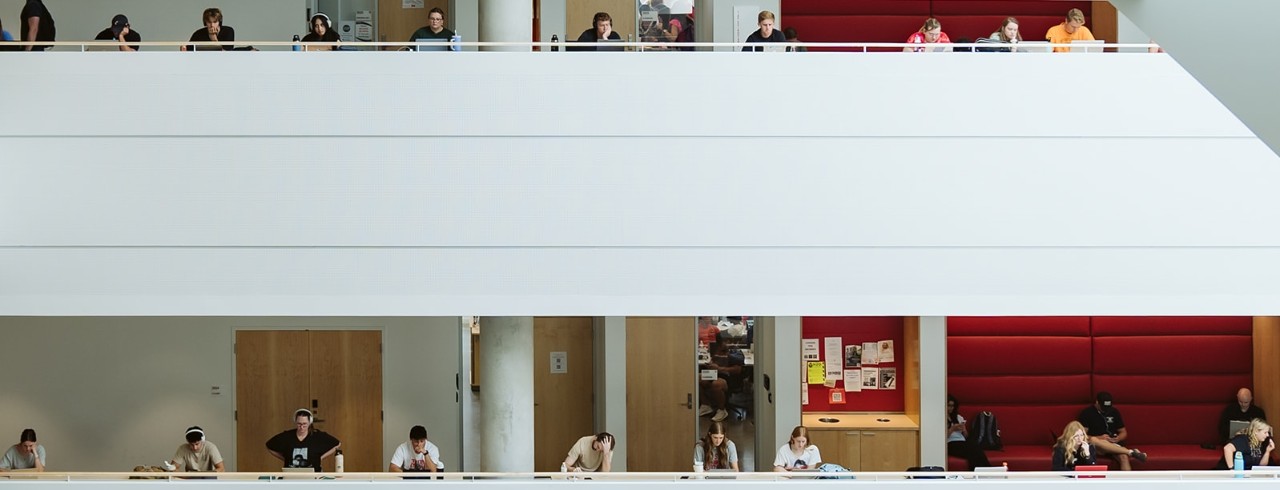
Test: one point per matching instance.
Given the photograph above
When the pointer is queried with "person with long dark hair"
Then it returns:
(715, 451)
(958, 443)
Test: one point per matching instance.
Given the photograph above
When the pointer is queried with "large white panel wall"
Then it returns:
(556, 183)
(110, 393)
(167, 20)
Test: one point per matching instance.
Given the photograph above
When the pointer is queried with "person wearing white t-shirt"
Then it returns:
(797, 453)
(418, 454)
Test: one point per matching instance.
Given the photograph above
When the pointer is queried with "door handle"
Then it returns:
(688, 401)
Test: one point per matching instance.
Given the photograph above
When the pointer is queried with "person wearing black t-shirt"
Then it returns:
(1243, 409)
(765, 34)
(601, 29)
(121, 32)
(303, 447)
(321, 32)
(213, 30)
(1106, 431)
(1255, 443)
(37, 25)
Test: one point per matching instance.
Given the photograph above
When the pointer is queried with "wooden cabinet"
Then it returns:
(856, 445)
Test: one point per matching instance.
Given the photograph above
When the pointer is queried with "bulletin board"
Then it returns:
(855, 331)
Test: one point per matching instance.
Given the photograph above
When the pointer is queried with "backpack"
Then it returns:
(985, 432)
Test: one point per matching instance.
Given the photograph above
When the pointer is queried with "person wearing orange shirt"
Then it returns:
(1072, 29)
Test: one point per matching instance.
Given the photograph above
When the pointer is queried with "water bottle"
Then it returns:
(563, 468)
(555, 39)
(455, 42)
(296, 46)
(337, 462)
(1238, 465)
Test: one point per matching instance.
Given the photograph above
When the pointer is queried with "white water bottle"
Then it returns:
(337, 462)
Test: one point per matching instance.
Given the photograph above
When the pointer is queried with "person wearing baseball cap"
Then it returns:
(1105, 428)
(121, 32)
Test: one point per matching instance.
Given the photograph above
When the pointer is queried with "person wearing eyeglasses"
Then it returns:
(929, 33)
(304, 446)
(434, 29)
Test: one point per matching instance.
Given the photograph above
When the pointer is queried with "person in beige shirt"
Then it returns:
(196, 455)
(591, 453)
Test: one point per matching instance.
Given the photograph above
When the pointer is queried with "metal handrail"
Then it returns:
(638, 45)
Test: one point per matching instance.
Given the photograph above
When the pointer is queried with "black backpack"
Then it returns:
(985, 432)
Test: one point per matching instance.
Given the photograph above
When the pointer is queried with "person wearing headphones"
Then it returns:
(196, 455)
(303, 446)
(601, 30)
(321, 31)
(434, 29)
(121, 32)
(213, 31)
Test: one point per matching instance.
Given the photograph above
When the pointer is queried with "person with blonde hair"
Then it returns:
(1073, 448)
(1255, 443)
(929, 33)
(765, 34)
(1071, 29)
(715, 451)
(797, 453)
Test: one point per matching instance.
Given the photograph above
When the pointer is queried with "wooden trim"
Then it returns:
(910, 376)
(1105, 23)
(1266, 362)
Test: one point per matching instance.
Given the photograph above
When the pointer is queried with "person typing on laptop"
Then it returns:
(25, 455)
(304, 446)
(1071, 29)
(1242, 410)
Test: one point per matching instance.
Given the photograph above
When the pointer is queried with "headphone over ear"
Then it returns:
(319, 15)
(302, 411)
(195, 434)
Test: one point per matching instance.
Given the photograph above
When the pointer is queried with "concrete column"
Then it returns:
(786, 381)
(611, 383)
(506, 394)
(506, 21)
(933, 391)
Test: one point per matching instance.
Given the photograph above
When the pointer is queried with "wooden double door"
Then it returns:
(337, 374)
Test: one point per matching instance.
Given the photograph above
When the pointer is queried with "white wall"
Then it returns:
(1145, 197)
(110, 393)
(168, 20)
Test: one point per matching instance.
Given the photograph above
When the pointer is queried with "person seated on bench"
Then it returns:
(1073, 449)
(958, 443)
(1255, 443)
(1106, 431)
(24, 455)
(797, 453)
(1243, 409)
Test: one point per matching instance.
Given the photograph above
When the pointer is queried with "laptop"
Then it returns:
(1091, 471)
(990, 472)
(609, 45)
(1266, 471)
(1034, 47)
(1237, 426)
(432, 44)
(1087, 46)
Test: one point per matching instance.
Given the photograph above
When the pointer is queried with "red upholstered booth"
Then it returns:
(891, 21)
(1170, 376)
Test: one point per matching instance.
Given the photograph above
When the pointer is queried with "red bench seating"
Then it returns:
(1171, 377)
(891, 21)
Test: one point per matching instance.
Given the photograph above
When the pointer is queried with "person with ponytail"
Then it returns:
(715, 451)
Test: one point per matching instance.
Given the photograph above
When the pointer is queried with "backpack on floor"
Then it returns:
(985, 432)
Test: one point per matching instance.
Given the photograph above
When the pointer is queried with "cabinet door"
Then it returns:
(852, 451)
(889, 450)
(830, 444)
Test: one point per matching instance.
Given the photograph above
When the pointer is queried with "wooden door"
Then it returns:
(396, 23)
(346, 394)
(661, 388)
(579, 13)
(562, 402)
(272, 381)
(851, 451)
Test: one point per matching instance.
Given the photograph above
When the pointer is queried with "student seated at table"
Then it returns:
(196, 455)
(1255, 443)
(591, 453)
(797, 453)
(1073, 448)
(715, 451)
(418, 454)
(601, 30)
(25, 455)
(213, 31)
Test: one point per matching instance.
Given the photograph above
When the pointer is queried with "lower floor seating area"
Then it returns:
(1170, 377)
